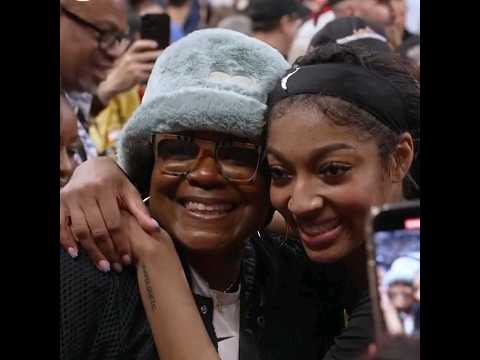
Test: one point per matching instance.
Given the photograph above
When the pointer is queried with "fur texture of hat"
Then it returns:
(211, 80)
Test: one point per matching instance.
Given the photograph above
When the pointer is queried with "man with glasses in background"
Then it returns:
(93, 34)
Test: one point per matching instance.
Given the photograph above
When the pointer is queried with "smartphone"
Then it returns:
(393, 248)
(156, 27)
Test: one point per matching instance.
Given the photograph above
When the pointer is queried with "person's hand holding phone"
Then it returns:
(132, 68)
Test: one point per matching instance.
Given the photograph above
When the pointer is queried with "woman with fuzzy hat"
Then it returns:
(195, 147)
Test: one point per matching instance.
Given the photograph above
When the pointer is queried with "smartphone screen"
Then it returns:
(394, 268)
(156, 27)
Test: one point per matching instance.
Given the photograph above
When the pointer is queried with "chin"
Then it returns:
(332, 254)
(203, 241)
(326, 256)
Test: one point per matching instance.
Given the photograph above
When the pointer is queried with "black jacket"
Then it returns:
(287, 310)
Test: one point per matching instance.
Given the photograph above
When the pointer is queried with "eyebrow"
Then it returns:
(317, 153)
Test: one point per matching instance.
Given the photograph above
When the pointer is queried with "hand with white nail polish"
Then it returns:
(90, 217)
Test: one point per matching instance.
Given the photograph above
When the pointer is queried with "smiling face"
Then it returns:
(325, 178)
(203, 211)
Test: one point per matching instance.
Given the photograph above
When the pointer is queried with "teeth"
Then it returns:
(190, 205)
(321, 228)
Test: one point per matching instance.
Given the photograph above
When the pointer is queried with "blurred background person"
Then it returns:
(68, 139)
(276, 22)
(120, 94)
(184, 13)
(221, 9)
(398, 33)
(179, 12)
(352, 31)
(237, 22)
(321, 14)
(376, 12)
(412, 22)
(410, 50)
(93, 34)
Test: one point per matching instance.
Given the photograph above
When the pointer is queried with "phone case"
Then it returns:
(380, 329)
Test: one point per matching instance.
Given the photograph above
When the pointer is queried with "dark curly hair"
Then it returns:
(391, 67)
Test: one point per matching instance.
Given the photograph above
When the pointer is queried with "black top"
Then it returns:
(101, 314)
(287, 311)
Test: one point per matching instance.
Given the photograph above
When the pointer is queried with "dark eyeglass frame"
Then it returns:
(157, 137)
(106, 39)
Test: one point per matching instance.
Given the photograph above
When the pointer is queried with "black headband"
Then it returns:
(351, 83)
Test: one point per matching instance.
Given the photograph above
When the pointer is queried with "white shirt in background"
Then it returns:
(305, 34)
(412, 21)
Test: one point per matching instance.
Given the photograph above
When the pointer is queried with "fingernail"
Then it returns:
(126, 259)
(73, 252)
(117, 267)
(155, 222)
(103, 265)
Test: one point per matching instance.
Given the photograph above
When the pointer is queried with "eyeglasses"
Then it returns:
(106, 38)
(178, 155)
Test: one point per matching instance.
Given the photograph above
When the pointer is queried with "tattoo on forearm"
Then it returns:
(148, 286)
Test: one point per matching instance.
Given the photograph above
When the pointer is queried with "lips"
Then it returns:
(207, 208)
(319, 234)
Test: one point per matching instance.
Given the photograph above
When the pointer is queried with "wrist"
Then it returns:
(156, 251)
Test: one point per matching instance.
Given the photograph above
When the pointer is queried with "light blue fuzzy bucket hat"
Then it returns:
(212, 79)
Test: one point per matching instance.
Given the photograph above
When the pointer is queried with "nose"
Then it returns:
(206, 173)
(305, 199)
(66, 165)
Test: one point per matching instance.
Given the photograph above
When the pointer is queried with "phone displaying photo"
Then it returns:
(156, 27)
(393, 247)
